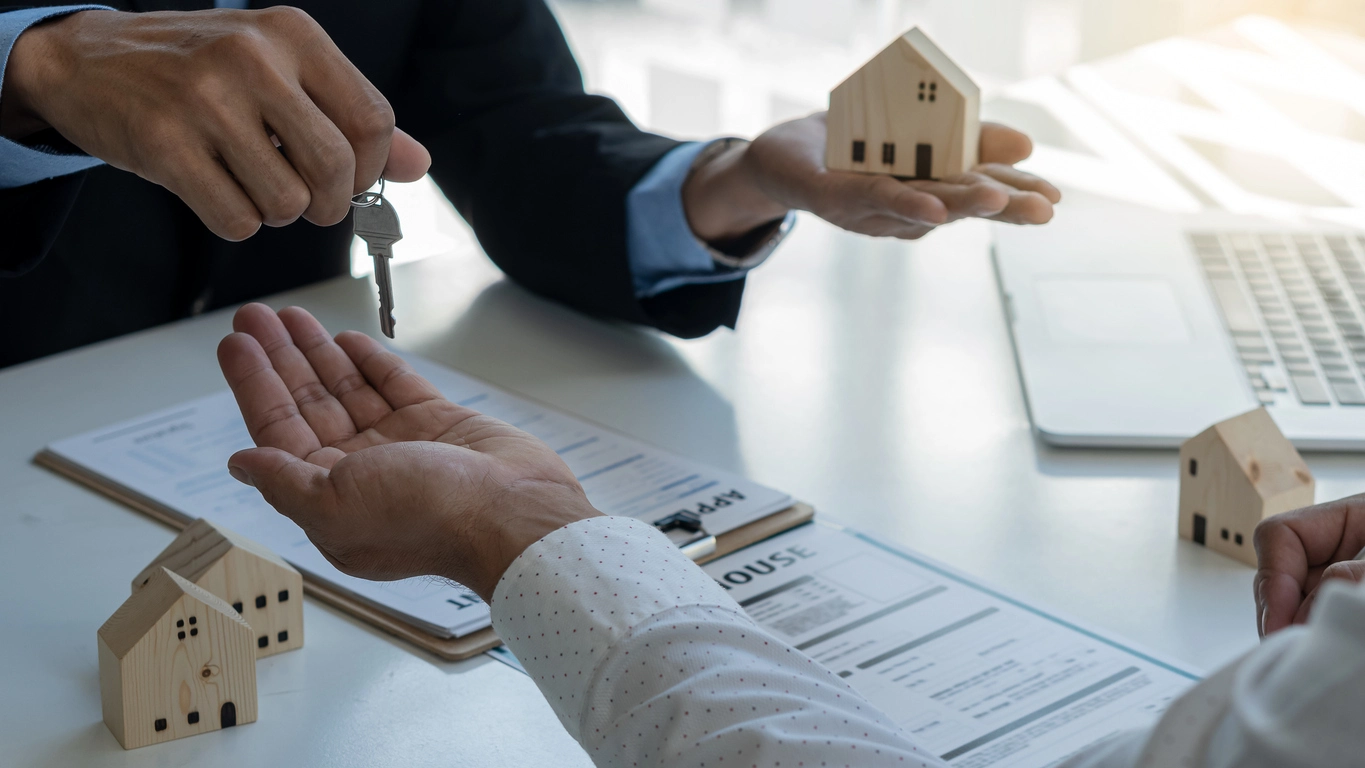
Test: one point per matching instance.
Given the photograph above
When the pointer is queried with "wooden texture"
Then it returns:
(911, 95)
(171, 658)
(1235, 474)
(450, 649)
(241, 572)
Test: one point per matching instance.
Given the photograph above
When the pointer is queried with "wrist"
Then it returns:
(523, 514)
(31, 73)
(723, 199)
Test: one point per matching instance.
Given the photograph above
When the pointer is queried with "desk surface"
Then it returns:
(872, 379)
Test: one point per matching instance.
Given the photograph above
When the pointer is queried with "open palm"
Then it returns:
(387, 477)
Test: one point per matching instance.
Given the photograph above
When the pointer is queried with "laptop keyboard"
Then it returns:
(1293, 305)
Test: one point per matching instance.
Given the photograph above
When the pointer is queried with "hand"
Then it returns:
(198, 102)
(387, 477)
(785, 169)
(1300, 550)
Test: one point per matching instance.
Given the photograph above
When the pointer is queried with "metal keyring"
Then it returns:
(367, 199)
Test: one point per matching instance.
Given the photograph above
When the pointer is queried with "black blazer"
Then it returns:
(537, 167)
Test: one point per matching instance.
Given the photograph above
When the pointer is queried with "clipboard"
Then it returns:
(447, 648)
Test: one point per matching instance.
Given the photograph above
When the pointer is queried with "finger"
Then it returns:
(1020, 180)
(325, 414)
(1002, 144)
(271, 416)
(408, 159)
(357, 108)
(273, 185)
(1278, 598)
(297, 489)
(1025, 208)
(970, 195)
(335, 369)
(318, 150)
(388, 373)
(201, 181)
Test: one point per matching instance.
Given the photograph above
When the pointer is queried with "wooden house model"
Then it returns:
(175, 661)
(910, 112)
(257, 583)
(1235, 474)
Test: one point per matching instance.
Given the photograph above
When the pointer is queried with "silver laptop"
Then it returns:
(1134, 328)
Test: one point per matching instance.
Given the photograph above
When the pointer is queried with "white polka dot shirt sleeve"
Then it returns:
(647, 661)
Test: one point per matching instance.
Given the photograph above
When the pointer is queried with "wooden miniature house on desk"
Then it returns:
(175, 661)
(265, 590)
(910, 113)
(1235, 474)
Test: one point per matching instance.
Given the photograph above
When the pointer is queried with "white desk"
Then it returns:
(872, 379)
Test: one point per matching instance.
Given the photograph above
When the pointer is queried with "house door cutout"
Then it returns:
(1201, 524)
(924, 161)
(227, 716)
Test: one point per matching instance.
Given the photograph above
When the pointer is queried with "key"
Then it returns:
(377, 224)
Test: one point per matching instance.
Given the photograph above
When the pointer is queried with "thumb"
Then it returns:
(296, 489)
(408, 159)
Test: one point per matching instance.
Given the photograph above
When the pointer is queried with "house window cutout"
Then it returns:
(160, 724)
(1238, 539)
(1194, 467)
(924, 161)
(260, 601)
(193, 717)
(237, 606)
(888, 154)
(283, 636)
(1224, 534)
(194, 631)
(1201, 524)
(264, 640)
(283, 596)
(227, 716)
(859, 151)
(180, 623)
(180, 635)
(193, 619)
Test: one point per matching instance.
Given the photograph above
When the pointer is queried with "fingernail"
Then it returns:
(240, 476)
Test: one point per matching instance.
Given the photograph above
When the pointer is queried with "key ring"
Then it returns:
(367, 199)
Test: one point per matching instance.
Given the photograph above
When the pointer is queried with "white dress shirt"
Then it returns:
(647, 662)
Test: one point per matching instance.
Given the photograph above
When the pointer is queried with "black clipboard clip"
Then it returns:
(686, 530)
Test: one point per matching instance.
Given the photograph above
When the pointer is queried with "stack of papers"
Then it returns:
(177, 459)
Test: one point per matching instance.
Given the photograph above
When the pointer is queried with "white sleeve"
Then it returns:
(1294, 701)
(647, 661)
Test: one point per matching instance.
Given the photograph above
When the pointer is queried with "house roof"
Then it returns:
(139, 613)
(918, 42)
(1266, 457)
(921, 44)
(199, 546)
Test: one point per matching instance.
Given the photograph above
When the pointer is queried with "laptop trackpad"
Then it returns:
(1111, 310)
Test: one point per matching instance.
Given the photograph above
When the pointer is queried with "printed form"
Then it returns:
(177, 458)
(974, 676)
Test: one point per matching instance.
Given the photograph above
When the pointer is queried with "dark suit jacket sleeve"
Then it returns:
(539, 168)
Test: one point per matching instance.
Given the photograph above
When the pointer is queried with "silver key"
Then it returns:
(377, 224)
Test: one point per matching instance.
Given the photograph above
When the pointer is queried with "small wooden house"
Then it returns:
(910, 112)
(1235, 474)
(175, 661)
(257, 583)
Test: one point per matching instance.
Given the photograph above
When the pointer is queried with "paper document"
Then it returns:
(177, 458)
(974, 676)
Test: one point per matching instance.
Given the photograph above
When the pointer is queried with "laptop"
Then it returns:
(1136, 328)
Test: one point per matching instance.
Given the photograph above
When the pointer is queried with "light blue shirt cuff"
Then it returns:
(21, 165)
(664, 253)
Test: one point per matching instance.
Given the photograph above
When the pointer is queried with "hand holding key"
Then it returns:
(250, 117)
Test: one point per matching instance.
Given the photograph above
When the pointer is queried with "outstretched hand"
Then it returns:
(387, 477)
(785, 169)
